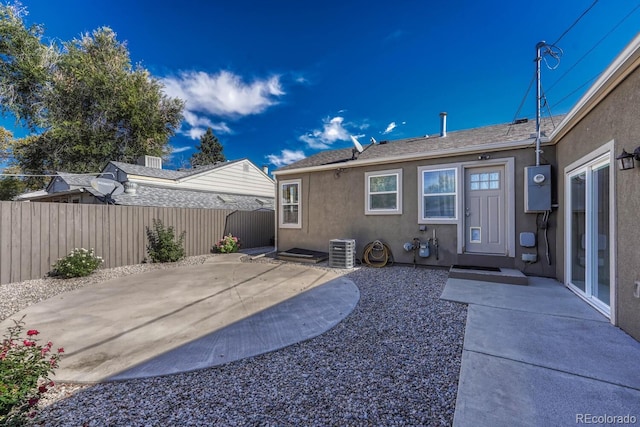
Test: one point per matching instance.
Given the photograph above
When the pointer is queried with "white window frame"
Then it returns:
(367, 188)
(422, 219)
(599, 156)
(281, 205)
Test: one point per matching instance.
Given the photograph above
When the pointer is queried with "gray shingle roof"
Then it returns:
(502, 133)
(76, 180)
(166, 173)
(147, 195)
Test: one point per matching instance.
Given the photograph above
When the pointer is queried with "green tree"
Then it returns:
(25, 66)
(86, 104)
(209, 150)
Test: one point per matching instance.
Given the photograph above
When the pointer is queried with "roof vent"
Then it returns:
(443, 124)
(150, 162)
(130, 187)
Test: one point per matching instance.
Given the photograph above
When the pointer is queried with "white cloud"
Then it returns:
(198, 126)
(286, 157)
(332, 131)
(176, 150)
(224, 94)
(390, 127)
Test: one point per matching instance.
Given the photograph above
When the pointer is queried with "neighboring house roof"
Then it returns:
(489, 138)
(148, 195)
(132, 169)
(76, 180)
(164, 188)
(67, 183)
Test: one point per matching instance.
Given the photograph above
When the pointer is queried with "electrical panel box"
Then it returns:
(537, 188)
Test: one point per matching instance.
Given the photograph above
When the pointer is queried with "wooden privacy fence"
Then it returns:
(34, 235)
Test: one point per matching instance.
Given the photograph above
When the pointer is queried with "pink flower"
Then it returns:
(32, 332)
(28, 343)
(42, 389)
(33, 401)
(61, 350)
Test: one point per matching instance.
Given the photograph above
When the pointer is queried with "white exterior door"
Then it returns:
(484, 210)
(588, 233)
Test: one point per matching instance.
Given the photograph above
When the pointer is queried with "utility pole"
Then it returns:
(539, 47)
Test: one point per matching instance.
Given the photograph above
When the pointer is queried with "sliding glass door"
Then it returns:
(588, 236)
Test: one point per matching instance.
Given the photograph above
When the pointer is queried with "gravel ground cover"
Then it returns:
(393, 361)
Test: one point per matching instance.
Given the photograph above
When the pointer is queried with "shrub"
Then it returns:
(163, 246)
(25, 366)
(79, 263)
(227, 245)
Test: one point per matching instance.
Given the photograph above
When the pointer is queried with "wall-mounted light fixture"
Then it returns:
(625, 160)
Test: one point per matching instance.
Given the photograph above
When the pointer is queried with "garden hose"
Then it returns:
(377, 254)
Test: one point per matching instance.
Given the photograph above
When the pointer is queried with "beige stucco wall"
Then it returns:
(616, 118)
(333, 206)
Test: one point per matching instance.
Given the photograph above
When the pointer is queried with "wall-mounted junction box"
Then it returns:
(537, 188)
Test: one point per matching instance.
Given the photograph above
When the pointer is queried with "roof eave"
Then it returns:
(60, 193)
(450, 152)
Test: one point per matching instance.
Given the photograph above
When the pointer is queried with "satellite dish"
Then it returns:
(373, 140)
(357, 144)
(107, 187)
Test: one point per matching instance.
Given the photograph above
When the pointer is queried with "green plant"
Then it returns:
(227, 245)
(80, 262)
(25, 366)
(163, 246)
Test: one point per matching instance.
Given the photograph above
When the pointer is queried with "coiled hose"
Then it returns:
(377, 254)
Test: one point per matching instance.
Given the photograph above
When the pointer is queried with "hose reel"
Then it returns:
(377, 254)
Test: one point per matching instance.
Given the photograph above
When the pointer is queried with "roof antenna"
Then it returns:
(357, 147)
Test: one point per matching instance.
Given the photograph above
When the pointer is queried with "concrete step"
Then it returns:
(508, 276)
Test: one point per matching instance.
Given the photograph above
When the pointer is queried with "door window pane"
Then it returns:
(578, 230)
(601, 239)
(485, 181)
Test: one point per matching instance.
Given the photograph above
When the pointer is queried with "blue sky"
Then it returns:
(281, 80)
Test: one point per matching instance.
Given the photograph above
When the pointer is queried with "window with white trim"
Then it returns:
(438, 194)
(383, 192)
(290, 209)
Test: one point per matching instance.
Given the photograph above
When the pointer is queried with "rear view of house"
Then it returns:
(482, 198)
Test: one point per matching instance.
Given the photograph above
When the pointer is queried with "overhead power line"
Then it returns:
(575, 22)
(615, 27)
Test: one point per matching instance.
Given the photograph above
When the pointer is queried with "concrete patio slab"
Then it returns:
(539, 355)
(119, 324)
(589, 349)
(499, 392)
(541, 296)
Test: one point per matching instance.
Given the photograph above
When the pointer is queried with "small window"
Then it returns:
(485, 181)
(383, 192)
(290, 212)
(439, 193)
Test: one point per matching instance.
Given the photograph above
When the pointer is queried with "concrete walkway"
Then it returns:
(538, 355)
(186, 318)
